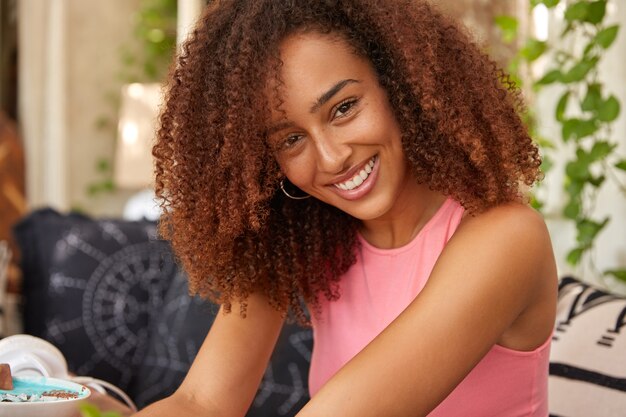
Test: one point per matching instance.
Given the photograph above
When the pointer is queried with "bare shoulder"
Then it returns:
(518, 220)
(513, 230)
(513, 237)
(513, 245)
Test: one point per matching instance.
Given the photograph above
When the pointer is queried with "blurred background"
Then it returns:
(80, 87)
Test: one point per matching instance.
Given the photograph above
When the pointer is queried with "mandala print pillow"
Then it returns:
(90, 288)
(588, 356)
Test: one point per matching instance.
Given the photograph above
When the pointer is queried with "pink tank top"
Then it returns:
(380, 285)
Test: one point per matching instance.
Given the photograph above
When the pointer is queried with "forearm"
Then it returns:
(227, 371)
(179, 405)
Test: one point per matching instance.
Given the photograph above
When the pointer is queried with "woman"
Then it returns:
(364, 159)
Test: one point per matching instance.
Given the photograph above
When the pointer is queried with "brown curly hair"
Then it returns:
(218, 178)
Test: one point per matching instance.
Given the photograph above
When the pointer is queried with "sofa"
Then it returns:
(110, 295)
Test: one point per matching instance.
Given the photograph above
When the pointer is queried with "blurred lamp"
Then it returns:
(134, 167)
(137, 126)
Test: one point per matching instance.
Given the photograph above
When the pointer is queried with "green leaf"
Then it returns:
(596, 12)
(533, 49)
(89, 410)
(517, 81)
(580, 70)
(588, 230)
(578, 129)
(605, 37)
(156, 36)
(562, 106)
(572, 210)
(578, 170)
(617, 273)
(568, 28)
(621, 165)
(597, 181)
(544, 142)
(574, 188)
(567, 130)
(609, 109)
(577, 11)
(550, 77)
(536, 203)
(108, 185)
(546, 164)
(593, 98)
(103, 122)
(583, 156)
(585, 128)
(601, 150)
(103, 165)
(508, 26)
(588, 48)
(573, 257)
(550, 3)
(93, 189)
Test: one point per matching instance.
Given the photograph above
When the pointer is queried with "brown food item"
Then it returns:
(60, 394)
(6, 381)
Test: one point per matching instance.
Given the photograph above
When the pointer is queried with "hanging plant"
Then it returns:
(146, 59)
(586, 112)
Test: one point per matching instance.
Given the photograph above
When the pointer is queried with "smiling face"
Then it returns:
(338, 139)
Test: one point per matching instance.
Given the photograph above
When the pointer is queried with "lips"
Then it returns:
(358, 179)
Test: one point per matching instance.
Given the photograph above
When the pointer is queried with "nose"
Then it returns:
(331, 153)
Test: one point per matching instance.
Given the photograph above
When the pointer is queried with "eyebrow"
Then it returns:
(321, 100)
(277, 127)
(330, 93)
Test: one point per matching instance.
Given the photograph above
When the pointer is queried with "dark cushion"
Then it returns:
(176, 335)
(284, 389)
(91, 286)
(587, 358)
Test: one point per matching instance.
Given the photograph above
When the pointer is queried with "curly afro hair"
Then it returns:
(218, 178)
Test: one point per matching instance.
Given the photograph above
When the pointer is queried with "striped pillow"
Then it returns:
(588, 354)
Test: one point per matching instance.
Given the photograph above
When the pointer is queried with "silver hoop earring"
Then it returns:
(293, 197)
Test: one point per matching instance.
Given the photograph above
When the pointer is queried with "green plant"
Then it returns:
(90, 410)
(586, 112)
(146, 58)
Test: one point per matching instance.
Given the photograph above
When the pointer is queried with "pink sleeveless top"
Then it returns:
(380, 285)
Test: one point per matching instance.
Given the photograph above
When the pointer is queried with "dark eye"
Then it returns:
(290, 141)
(344, 108)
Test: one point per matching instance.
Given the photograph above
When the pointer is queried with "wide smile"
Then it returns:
(359, 177)
(360, 183)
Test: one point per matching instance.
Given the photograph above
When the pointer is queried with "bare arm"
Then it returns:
(494, 282)
(226, 373)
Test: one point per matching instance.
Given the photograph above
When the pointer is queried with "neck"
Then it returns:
(399, 227)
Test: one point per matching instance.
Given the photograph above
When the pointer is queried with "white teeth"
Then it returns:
(359, 178)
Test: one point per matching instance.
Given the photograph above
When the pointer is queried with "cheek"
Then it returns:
(299, 170)
(381, 124)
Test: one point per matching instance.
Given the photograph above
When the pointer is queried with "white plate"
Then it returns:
(59, 408)
(28, 355)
